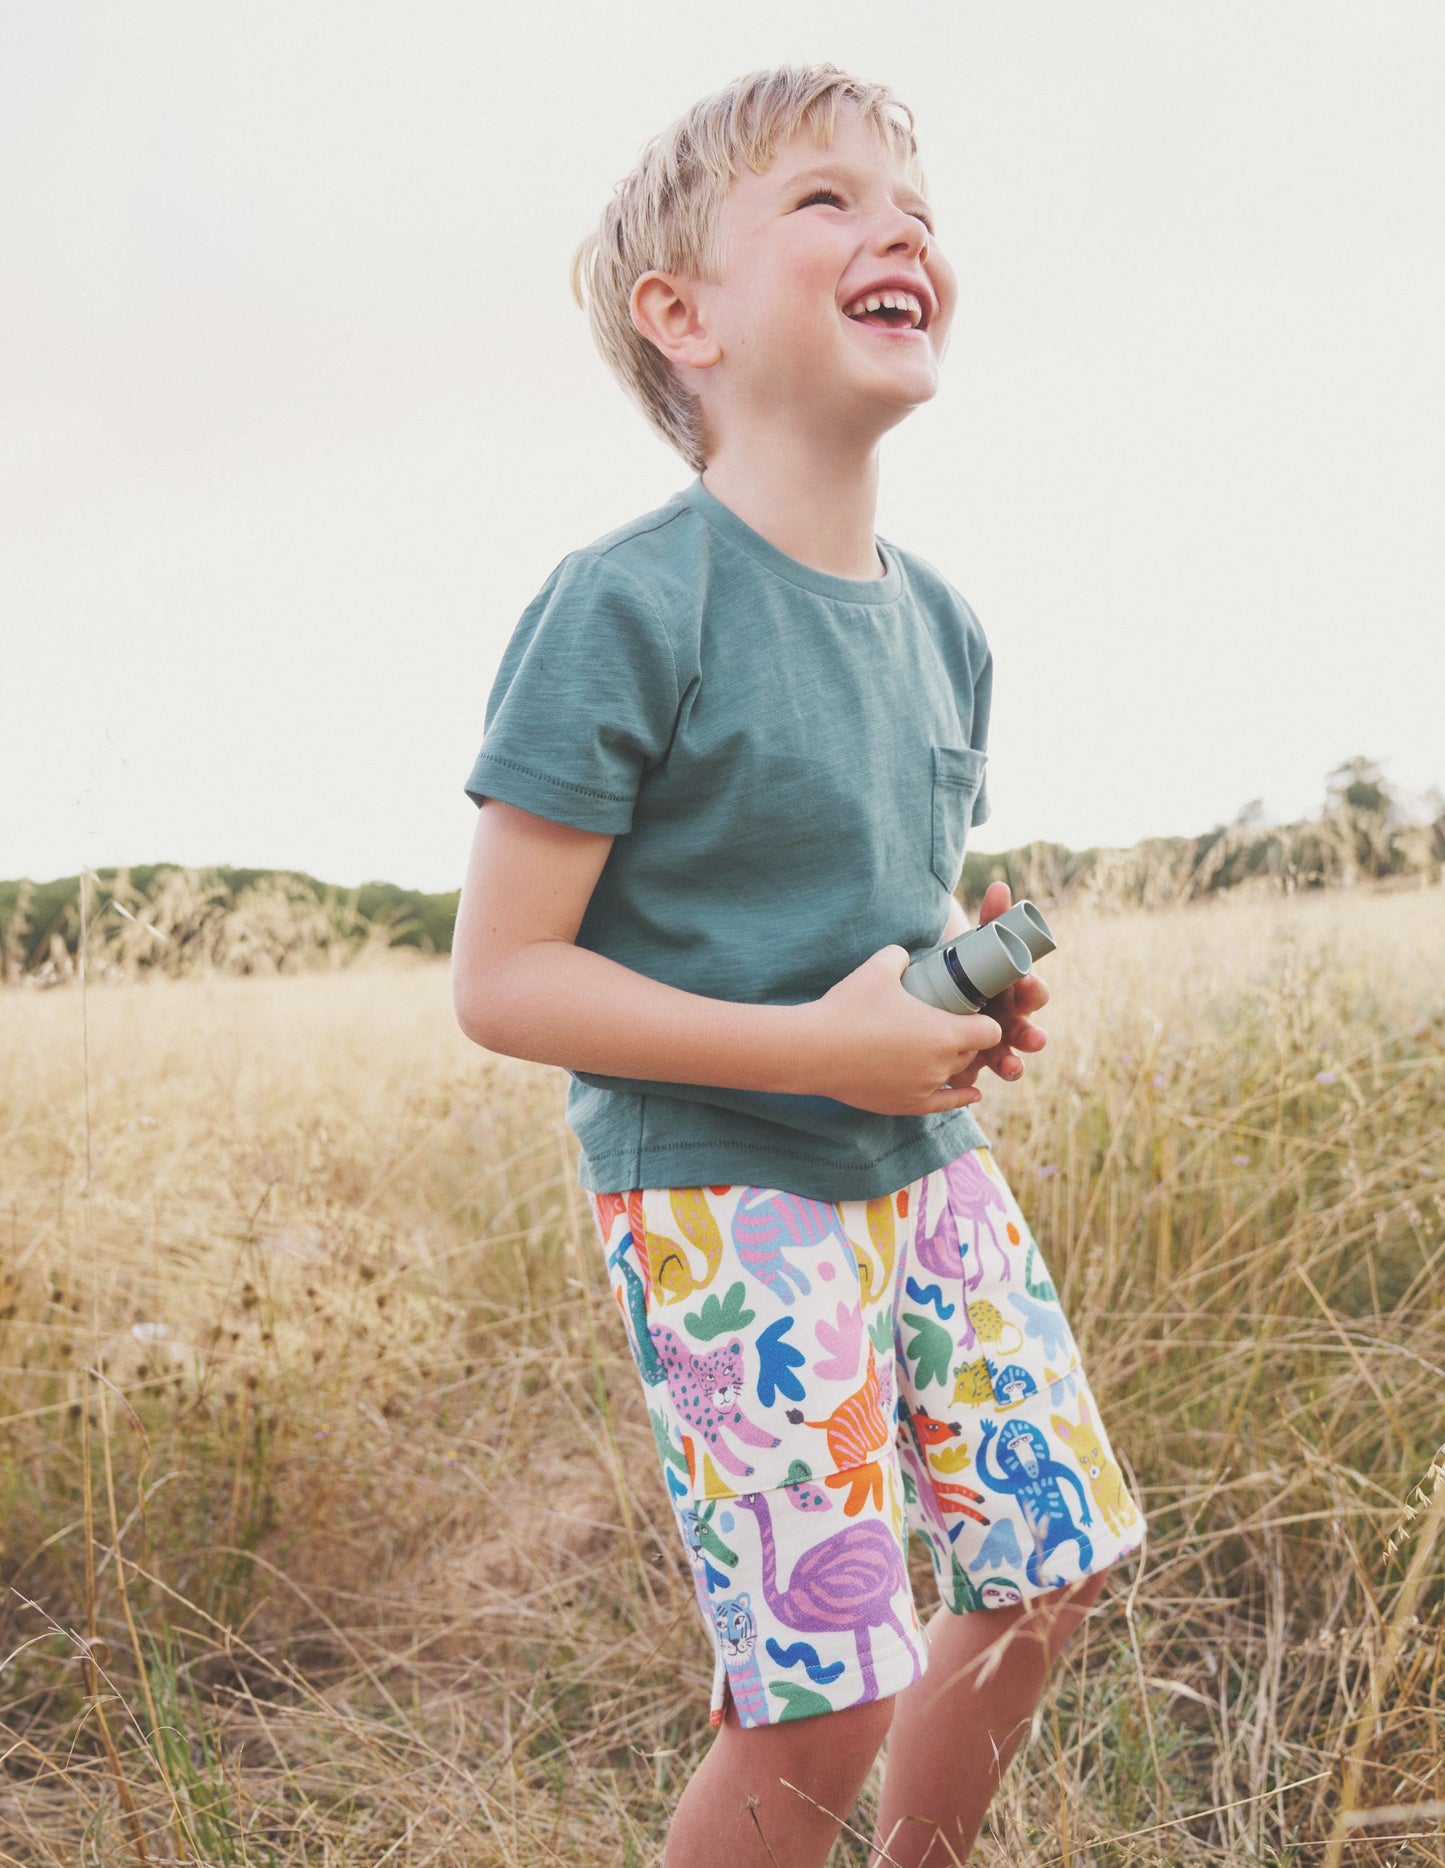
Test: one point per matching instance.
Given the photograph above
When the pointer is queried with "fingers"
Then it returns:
(997, 900)
(975, 1032)
(1014, 1010)
(1020, 1035)
(1031, 994)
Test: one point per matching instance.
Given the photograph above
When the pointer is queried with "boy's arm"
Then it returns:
(521, 986)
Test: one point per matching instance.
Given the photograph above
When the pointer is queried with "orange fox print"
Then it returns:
(857, 1431)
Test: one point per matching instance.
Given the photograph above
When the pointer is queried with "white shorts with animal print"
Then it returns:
(824, 1379)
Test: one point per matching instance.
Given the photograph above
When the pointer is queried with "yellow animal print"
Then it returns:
(1106, 1481)
(973, 1385)
(669, 1267)
(882, 1232)
(989, 1326)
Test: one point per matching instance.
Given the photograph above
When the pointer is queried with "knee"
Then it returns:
(828, 1756)
(856, 1732)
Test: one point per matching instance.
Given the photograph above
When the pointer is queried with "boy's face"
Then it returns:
(798, 248)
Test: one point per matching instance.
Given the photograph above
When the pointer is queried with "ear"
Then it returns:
(664, 310)
(1063, 1428)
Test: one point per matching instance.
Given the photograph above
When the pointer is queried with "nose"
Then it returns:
(905, 233)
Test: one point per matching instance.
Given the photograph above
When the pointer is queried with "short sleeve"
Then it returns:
(585, 701)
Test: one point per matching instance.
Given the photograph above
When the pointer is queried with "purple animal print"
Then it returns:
(974, 1194)
(844, 1584)
(765, 1222)
(971, 1196)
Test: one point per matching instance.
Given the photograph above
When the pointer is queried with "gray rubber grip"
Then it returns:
(987, 961)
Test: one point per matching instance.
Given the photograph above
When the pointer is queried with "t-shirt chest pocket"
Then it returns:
(957, 781)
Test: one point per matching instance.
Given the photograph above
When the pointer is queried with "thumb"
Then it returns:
(892, 960)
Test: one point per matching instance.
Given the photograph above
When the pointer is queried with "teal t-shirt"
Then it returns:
(789, 762)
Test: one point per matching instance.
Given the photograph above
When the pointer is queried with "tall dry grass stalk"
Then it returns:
(329, 1518)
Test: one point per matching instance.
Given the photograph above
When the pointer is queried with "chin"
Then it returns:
(911, 396)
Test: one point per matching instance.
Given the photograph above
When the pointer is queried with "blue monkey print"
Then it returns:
(1028, 1472)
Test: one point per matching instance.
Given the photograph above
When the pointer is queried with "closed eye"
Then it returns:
(821, 194)
(831, 194)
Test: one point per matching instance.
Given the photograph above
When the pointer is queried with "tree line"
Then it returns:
(165, 918)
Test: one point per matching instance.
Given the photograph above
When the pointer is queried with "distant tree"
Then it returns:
(1364, 814)
(1360, 785)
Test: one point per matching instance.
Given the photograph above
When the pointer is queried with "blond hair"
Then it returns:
(663, 216)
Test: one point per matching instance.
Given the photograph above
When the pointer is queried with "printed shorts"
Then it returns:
(826, 1379)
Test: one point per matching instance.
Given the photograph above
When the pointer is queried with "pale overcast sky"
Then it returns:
(298, 412)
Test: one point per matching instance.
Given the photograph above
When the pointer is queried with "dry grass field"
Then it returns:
(330, 1526)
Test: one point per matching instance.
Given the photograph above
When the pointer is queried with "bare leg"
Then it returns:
(736, 1812)
(955, 1730)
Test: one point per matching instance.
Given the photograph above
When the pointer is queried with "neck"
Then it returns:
(815, 503)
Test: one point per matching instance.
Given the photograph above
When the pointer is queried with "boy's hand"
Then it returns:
(872, 1045)
(1013, 1009)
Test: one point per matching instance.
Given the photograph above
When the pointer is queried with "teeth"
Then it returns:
(886, 301)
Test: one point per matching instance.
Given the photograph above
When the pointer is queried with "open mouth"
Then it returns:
(897, 313)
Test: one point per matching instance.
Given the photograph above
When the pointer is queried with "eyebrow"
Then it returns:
(841, 172)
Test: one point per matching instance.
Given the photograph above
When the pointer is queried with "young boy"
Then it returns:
(730, 762)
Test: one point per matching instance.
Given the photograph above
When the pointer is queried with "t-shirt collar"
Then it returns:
(884, 589)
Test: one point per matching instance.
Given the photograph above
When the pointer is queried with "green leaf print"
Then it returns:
(880, 1333)
(719, 1316)
(965, 1597)
(930, 1351)
(799, 1702)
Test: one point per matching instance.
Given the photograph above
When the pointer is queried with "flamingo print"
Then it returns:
(970, 1195)
(843, 1585)
(974, 1194)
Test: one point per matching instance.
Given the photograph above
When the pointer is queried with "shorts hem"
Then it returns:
(884, 1688)
(1033, 1592)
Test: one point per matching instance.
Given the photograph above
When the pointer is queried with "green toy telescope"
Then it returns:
(966, 972)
